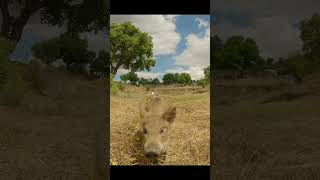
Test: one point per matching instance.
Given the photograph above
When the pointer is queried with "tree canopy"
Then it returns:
(310, 36)
(170, 78)
(130, 76)
(236, 53)
(78, 16)
(130, 48)
(69, 47)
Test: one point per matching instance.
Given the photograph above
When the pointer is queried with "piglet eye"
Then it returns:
(145, 130)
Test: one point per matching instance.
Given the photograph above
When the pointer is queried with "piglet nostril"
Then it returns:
(152, 154)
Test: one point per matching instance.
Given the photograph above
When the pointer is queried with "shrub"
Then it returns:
(12, 86)
(4, 72)
(202, 82)
(36, 75)
(13, 90)
(5, 48)
(121, 86)
(114, 86)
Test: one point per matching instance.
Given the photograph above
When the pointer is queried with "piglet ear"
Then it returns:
(170, 114)
(142, 109)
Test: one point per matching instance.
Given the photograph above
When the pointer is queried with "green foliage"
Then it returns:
(99, 64)
(36, 75)
(150, 81)
(131, 76)
(121, 86)
(202, 83)
(207, 72)
(68, 46)
(13, 90)
(78, 16)
(237, 53)
(310, 35)
(130, 48)
(299, 66)
(6, 47)
(12, 86)
(143, 81)
(184, 78)
(124, 77)
(4, 72)
(114, 88)
(155, 81)
(206, 80)
(176, 77)
(168, 78)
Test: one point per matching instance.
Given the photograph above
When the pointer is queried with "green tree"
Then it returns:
(299, 66)
(85, 15)
(185, 78)
(6, 47)
(217, 52)
(269, 62)
(124, 77)
(241, 54)
(143, 81)
(310, 36)
(99, 64)
(69, 47)
(131, 76)
(202, 83)
(130, 48)
(206, 72)
(155, 81)
(168, 78)
(176, 78)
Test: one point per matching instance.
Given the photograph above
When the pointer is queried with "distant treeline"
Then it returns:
(168, 78)
(241, 55)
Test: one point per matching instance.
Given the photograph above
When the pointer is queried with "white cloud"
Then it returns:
(142, 74)
(197, 52)
(196, 72)
(162, 28)
(122, 71)
(148, 75)
(202, 23)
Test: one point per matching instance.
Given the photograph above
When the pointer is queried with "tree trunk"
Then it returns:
(114, 70)
(13, 30)
(11, 27)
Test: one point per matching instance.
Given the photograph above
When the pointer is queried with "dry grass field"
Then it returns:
(189, 143)
(52, 135)
(267, 129)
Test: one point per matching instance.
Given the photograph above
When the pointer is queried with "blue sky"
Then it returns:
(181, 42)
